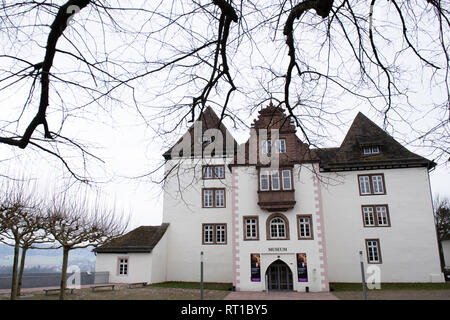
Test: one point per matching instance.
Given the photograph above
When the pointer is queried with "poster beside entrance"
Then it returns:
(255, 264)
(302, 267)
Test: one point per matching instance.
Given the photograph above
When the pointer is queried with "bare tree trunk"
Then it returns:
(441, 255)
(62, 290)
(22, 267)
(14, 272)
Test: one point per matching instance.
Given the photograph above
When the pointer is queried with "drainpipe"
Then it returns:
(363, 276)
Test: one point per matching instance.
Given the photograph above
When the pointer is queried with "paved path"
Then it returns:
(288, 295)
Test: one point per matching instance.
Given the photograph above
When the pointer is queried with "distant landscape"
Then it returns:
(47, 260)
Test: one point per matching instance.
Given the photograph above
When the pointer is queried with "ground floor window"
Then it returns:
(304, 227)
(251, 231)
(373, 251)
(277, 227)
(122, 265)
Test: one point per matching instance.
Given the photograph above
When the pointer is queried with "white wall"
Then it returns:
(183, 210)
(159, 260)
(139, 267)
(305, 204)
(408, 248)
(446, 249)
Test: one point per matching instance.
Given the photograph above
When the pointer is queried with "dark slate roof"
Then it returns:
(364, 132)
(209, 120)
(142, 239)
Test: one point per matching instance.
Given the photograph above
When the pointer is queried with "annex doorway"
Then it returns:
(279, 276)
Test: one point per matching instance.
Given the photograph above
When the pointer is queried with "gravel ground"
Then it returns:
(157, 293)
(124, 293)
(395, 295)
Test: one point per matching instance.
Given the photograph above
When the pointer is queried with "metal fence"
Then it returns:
(37, 280)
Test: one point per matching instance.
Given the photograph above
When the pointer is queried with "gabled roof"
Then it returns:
(141, 239)
(363, 132)
(208, 120)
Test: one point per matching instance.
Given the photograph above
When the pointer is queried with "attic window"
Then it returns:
(205, 140)
(371, 150)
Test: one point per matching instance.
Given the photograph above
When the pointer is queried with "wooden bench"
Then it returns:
(137, 284)
(57, 290)
(103, 286)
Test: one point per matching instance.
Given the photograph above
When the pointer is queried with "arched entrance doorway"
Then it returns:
(279, 276)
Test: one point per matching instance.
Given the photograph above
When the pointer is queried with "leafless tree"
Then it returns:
(75, 222)
(183, 55)
(442, 221)
(20, 221)
(36, 235)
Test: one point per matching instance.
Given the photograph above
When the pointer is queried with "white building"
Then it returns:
(446, 252)
(275, 214)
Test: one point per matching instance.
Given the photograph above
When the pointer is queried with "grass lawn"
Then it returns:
(342, 287)
(194, 285)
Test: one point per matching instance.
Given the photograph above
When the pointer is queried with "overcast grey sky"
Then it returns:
(127, 136)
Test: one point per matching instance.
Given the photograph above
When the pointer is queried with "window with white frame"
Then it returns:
(287, 181)
(208, 234)
(364, 185)
(376, 215)
(208, 198)
(304, 227)
(371, 184)
(219, 172)
(277, 228)
(266, 146)
(221, 233)
(220, 197)
(369, 216)
(275, 180)
(251, 228)
(382, 216)
(264, 180)
(214, 233)
(373, 251)
(207, 172)
(270, 180)
(213, 198)
(213, 172)
(371, 150)
(123, 266)
(280, 146)
(377, 183)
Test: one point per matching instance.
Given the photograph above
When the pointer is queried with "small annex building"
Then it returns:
(145, 248)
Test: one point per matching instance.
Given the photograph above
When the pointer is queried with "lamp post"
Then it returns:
(363, 276)
(201, 275)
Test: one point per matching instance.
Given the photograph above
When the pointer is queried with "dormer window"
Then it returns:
(205, 140)
(371, 150)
